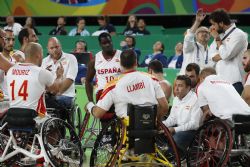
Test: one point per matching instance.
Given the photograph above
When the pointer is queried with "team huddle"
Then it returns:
(210, 81)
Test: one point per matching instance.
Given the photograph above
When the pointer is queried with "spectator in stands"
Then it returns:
(229, 45)
(81, 47)
(185, 115)
(11, 25)
(80, 29)
(176, 60)
(158, 49)
(246, 64)
(30, 23)
(129, 43)
(193, 71)
(195, 46)
(59, 29)
(25, 36)
(105, 26)
(218, 97)
(142, 28)
(131, 28)
(156, 69)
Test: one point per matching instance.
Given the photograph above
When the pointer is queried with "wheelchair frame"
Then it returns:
(11, 148)
(232, 150)
(119, 153)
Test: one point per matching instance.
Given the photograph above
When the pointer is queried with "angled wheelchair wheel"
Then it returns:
(108, 144)
(76, 117)
(166, 149)
(211, 145)
(61, 143)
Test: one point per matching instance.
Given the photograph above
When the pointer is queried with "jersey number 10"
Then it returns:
(22, 92)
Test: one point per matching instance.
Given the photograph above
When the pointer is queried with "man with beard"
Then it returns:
(7, 49)
(106, 66)
(25, 36)
(246, 64)
(229, 45)
(195, 46)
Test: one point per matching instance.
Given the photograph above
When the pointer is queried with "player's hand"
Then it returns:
(171, 129)
(1, 95)
(59, 71)
(213, 32)
(200, 15)
(89, 106)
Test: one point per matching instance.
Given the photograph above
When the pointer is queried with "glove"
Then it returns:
(89, 106)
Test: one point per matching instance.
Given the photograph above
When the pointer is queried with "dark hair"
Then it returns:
(133, 40)
(82, 41)
(184, 78)
(23, 33)
(8, 30)
(79, 19)
(220, 15)
(193, 66)
(128, 58)
(64, 18)
(105, 18)
(104, 35)
(156, 66)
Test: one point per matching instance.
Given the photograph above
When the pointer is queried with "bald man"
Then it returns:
(27, 81)
(55, 58)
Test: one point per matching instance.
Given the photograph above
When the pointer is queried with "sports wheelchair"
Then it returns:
(25, 141)
(137, 140)
(73, 114)
(220, 143)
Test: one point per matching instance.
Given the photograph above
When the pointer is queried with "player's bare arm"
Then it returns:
(89, 78)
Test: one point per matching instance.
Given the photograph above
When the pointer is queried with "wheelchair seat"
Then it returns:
(241, 124)
(142, 128)
(21, 118)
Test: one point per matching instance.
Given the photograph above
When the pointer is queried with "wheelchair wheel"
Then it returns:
(166, 149)
(76, 117)
(108, 144)
(211, 145)
(61, 143)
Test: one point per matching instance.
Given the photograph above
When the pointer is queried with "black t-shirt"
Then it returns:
(142, 32)
(130, 30)
(110, 28)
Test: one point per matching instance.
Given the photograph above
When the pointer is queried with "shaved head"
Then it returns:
(33, 53)
(54, 48)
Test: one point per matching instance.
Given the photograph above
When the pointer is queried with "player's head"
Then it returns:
(54, 48)
(27, 35)
(192, 71)
(182, 86)
(202, 34)
(105, 42)
(128, 59)
(155, 66)
(2, 39)
(206, 72)
(10, 40)
(246, 60)
(33, 53)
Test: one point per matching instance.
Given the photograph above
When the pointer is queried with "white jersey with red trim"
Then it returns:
(135, 88)
(106, 70)
(26, 86)
(221, 97)
(3, 82)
